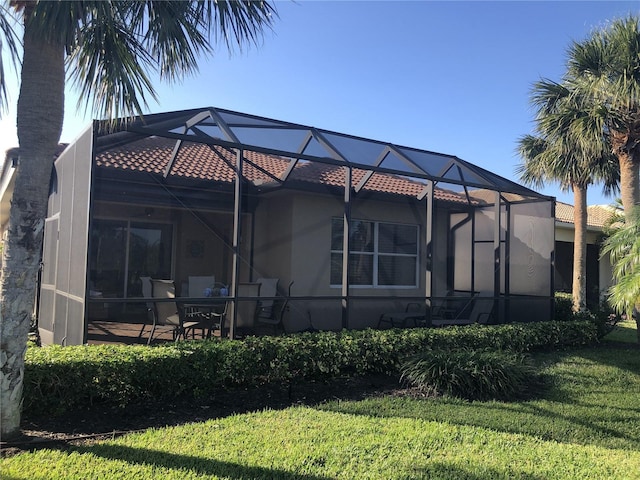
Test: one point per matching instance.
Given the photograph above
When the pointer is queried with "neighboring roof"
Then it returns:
(219, 127)
(597, 215)
(202, 162)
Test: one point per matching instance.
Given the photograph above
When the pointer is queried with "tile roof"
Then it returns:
(200, 161)
(597, 215)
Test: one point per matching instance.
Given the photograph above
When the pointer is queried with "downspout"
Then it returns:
(507, 259)
(451, 246)
(496, 260)
(346, 246)
(429, 249)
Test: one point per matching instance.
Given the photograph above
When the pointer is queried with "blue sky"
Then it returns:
(452, 77)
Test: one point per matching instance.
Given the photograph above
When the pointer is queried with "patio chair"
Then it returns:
(271, 312)
(247, 310)
(416, 313)
(169, 314)
(481, 311)
(146, 293)
(268, 289)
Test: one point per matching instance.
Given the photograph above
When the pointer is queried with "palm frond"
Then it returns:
(238, 21)
(623, 248)
(109, 65)
(116, 46)
(8, 41)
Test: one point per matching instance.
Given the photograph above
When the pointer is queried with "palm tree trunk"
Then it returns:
(39, 121)
(629, 182)
(579, 287)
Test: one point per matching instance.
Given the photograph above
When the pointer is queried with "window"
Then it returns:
(382, 254)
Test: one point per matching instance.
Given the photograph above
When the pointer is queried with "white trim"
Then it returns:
(376, 254)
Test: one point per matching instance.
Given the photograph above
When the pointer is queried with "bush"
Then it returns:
(59, 379)
(563, 307)
(472, 374)
(603, 317)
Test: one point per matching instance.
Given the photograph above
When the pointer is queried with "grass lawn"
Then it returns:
(586, 424)
(624, 331)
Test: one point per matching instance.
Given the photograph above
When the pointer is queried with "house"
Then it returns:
(238, 197)
(7, 180)
(599, 277)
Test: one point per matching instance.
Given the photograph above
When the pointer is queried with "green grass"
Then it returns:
(586, 424)
(625, 331)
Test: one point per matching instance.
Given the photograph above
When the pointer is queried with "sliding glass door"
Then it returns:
(122, 251)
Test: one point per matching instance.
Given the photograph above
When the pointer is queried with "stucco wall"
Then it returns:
(293, 242)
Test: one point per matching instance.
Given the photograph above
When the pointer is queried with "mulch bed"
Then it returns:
(101, 423)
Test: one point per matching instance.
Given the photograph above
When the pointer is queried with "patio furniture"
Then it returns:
(480, 311)
(271, 312)
(414, 313)
(247, 310)
(146, 293)
(170, 314)
(456, 310)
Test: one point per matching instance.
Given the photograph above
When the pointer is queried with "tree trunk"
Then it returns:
(579, 287)
(629, 170)
(39, 121)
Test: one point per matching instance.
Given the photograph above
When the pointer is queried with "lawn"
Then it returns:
(585, 424)
(625, 331)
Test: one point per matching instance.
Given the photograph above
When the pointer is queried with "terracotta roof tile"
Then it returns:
(200, 161)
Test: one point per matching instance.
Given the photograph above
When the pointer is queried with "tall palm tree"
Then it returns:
(623, 246)
(606, 68)
(571, 150)
(110, 49)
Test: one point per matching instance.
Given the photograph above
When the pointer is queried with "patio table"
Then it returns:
(215, 307)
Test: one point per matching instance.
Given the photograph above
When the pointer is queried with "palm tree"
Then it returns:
(606, 69)
(623, 246)
(571, 150)
(110, 49)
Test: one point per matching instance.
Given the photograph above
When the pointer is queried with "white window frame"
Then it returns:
(376, 254)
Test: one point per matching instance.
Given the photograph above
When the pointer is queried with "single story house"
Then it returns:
(212, 192)
(599, 277)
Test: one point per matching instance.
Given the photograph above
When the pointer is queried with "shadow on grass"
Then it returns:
(443, 470)
(567, 418)
(519, 418)
(201, 466)
(194, 464)
(42, 431)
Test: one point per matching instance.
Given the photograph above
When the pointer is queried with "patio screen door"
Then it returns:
(123, 251)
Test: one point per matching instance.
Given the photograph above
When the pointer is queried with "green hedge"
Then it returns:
(58, 379)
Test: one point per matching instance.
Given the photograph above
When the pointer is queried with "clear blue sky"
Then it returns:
(452, 77)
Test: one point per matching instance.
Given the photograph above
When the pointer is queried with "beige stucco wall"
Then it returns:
(566, 234)
(292, 241)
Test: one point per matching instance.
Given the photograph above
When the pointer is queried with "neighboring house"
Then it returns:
(7, 180)
(161, 198)
(599, 277)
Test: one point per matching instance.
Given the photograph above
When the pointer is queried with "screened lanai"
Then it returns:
(236, 197)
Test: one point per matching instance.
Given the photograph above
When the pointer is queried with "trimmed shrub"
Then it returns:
(59, 379)
(602, 317)
(563, 307)
(473, 374)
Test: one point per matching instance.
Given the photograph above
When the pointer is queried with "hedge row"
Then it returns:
(59, 379)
